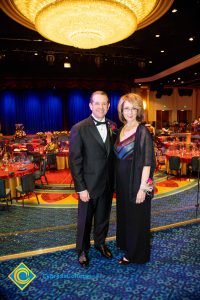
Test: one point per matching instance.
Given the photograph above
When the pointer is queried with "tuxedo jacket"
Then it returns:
(90, 159)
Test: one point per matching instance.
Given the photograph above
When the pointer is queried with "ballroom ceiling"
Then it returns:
(24, 52)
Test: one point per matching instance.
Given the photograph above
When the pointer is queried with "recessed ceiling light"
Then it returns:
(35, 53)
(157, 35)
(191, 39)
(179, 78)
(182, 81)
(195, 73)
(139, 84)
(162, 51)
(150, 62)
(174, 10)
(67, 65)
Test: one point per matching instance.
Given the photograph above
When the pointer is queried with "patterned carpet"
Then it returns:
(172, 274)
(32, 228)
(60, 191)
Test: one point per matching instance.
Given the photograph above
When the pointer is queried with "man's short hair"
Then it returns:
(99, 93)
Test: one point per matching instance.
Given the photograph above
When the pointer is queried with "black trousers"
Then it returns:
(99, 209)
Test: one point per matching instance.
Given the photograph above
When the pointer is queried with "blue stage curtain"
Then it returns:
(32, 106)
(36, 110)
(7, 112)
(51, 114)
(78, 106)
(114, 97)
(43, 110)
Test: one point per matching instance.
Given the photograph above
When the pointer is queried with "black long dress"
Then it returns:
(133, 220)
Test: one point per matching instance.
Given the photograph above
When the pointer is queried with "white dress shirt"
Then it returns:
(102, 129)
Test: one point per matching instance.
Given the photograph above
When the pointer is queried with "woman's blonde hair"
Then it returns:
(137, 103)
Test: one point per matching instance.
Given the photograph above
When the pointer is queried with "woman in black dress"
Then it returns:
(135, 164)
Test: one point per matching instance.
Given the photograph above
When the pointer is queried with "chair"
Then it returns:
(43, 142)
(8, 149)
(4, 192)
(51, 160)
(71, 185)
(160, 159)
(62, 144)
(2, 144)
(27, 186)
(175, 165)
(29, 147)
(17, 158)
(63, 138)
(36, 158)
(194, 166)
(42, 172)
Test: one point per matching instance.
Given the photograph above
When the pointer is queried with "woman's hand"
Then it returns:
(140, 197)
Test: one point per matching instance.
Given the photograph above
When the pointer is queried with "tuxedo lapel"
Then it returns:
(95, 133)
(108, 141)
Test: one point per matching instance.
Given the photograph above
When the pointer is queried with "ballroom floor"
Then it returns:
(52, 224)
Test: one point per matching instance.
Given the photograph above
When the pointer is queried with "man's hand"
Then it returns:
(84, 196)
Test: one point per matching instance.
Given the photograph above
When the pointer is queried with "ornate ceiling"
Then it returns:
(137, 59)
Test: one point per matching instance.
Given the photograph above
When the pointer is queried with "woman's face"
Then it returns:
(129, 112)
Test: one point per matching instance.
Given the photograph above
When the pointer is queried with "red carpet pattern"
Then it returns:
(60, 190)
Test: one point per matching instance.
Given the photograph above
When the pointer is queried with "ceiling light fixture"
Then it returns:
(85, 24)
(67, 65)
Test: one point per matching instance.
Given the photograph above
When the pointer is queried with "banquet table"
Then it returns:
(185, 157)
(177, 144)
(62, 160)
(22, 146)
(12, 173)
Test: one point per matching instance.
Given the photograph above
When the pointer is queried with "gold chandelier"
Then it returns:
(85, 24)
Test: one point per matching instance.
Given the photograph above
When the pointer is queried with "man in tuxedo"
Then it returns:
(91, 163)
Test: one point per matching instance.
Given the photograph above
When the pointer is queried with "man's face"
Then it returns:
(99, 106)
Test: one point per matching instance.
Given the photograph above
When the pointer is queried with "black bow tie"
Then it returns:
(97, 123)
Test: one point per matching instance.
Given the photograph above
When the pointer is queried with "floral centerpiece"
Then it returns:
(51, 147)
(64, 132)
(19, 132)
(60, 133)
(41, 135)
